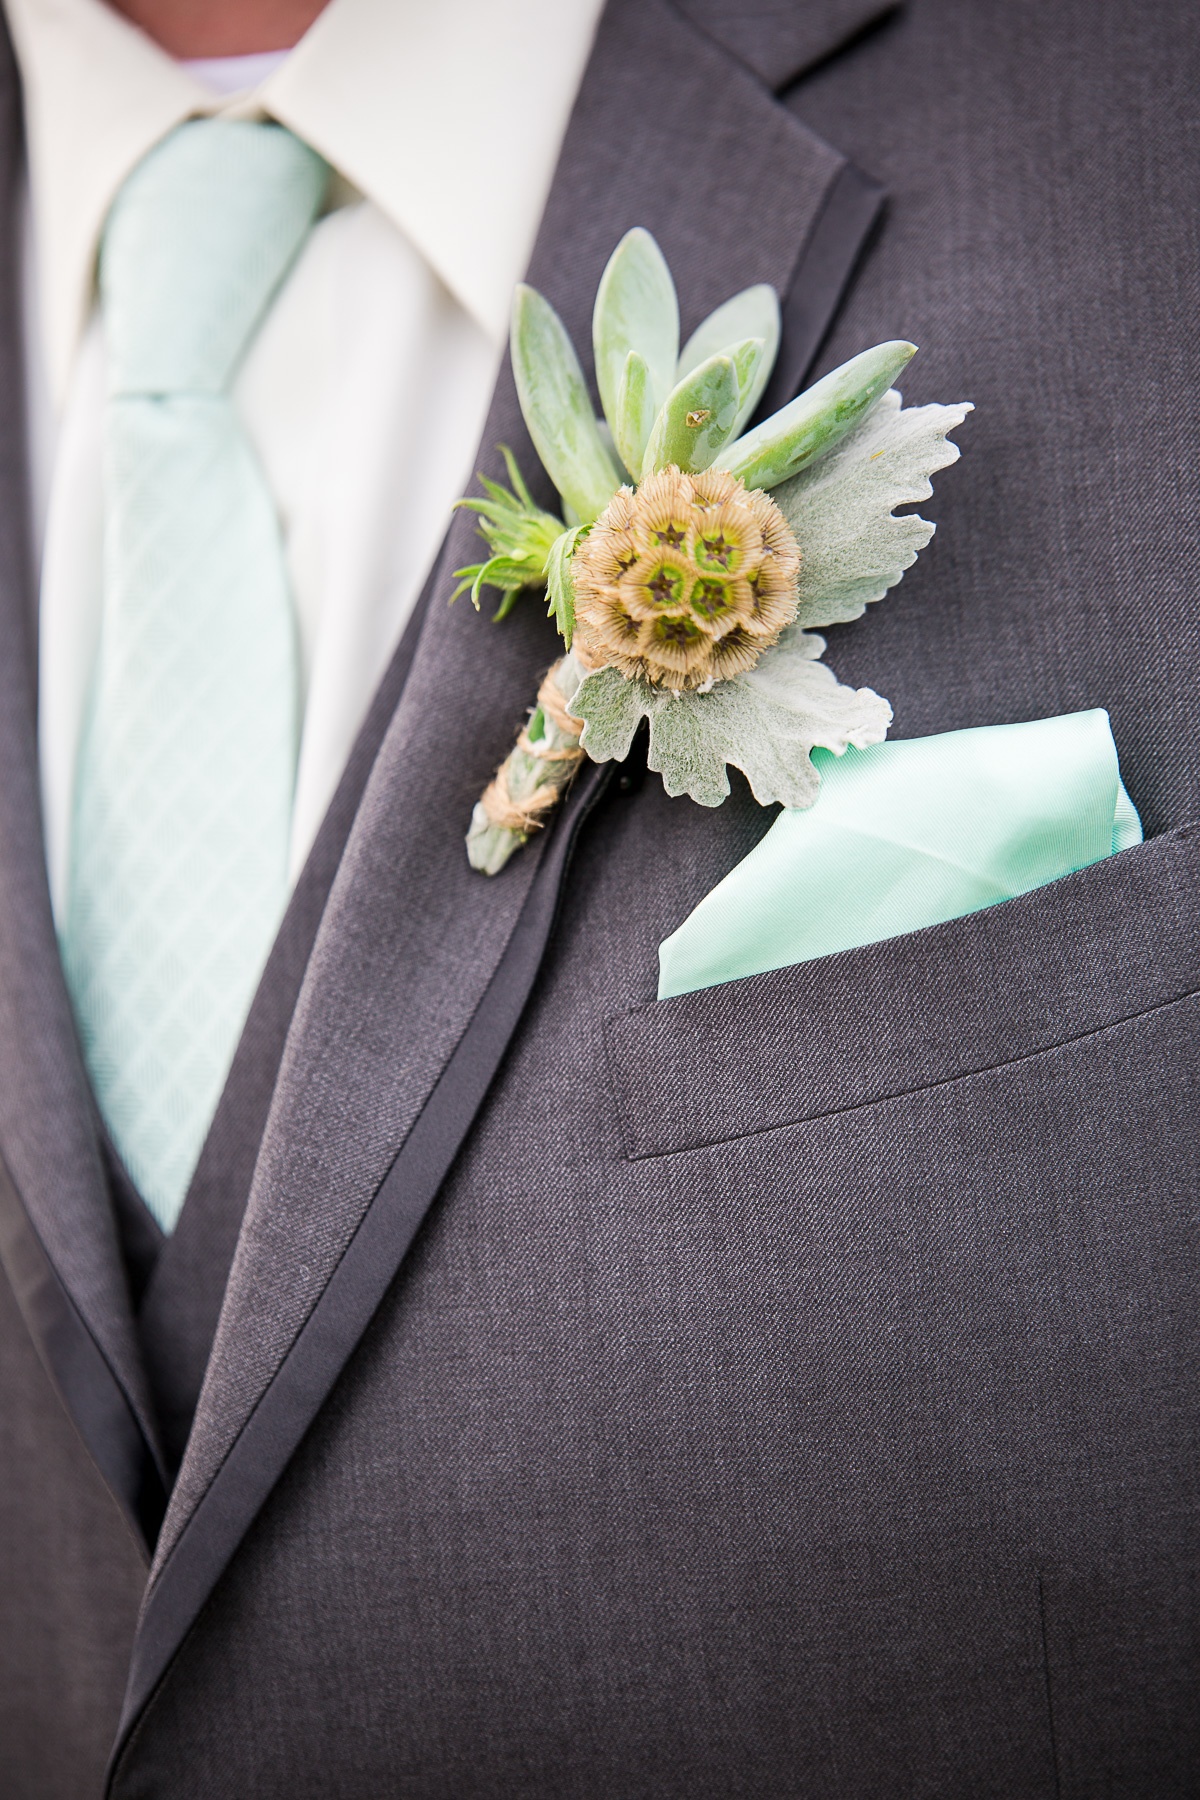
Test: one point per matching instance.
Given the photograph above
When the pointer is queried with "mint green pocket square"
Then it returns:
(909, 834)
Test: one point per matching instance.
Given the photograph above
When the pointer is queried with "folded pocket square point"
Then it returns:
(907, 834)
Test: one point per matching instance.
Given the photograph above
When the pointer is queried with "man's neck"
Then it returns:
(222, 27)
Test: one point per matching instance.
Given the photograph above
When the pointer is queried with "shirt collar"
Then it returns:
(414, 105)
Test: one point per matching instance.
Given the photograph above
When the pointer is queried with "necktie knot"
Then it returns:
(197, 241)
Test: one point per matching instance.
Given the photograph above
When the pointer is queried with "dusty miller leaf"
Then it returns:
(853, 548)
(765, 722)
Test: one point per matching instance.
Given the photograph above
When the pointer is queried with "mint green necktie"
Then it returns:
(183, 794)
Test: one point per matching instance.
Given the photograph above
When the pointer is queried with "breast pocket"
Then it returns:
(1110, 943)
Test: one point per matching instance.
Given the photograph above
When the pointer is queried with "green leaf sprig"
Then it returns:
(519, 535)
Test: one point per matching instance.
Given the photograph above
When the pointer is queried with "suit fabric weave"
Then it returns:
(790, 1388)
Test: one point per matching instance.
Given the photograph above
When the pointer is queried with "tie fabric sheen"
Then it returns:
(183, 794)
(907, 834)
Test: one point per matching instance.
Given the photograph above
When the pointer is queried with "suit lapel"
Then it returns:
(177, 1316)
(58, 1240)
(835, 242)
(420, 967)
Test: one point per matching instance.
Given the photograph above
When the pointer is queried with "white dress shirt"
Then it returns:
(365, 391)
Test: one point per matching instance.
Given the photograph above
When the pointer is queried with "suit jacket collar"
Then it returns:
(780, 40)
(100, 94)
(410, 960)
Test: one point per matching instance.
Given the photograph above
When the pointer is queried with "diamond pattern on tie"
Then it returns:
(183, 793)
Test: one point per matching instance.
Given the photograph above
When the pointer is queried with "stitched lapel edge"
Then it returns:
(80, 1372)
(824, 269)
(600, 191)
(366, 1270)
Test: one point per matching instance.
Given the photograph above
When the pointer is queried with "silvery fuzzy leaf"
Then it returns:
(766, 723)
(853, 548)
(754, 313)
(612, 709)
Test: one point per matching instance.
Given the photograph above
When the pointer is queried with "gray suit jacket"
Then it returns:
(789, 1389)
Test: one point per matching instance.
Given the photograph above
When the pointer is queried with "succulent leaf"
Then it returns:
(554, 400)
(635, 411)
(754, 313)
(765, 722)
(748, 355)
(810, 426)
(636, 309)
(700, 414)
(855, 547)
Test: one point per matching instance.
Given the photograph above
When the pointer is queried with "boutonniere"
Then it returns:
(695, 558)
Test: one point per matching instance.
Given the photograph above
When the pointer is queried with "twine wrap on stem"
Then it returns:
(534, 775)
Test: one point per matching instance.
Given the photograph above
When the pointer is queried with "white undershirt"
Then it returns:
(364, 394)
(235, 74)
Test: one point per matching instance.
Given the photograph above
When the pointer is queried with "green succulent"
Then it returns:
(697, 556)
(662, 407)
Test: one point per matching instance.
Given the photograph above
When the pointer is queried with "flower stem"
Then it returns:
(533, 777)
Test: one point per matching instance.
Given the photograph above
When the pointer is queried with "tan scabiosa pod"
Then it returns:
(685, 581)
